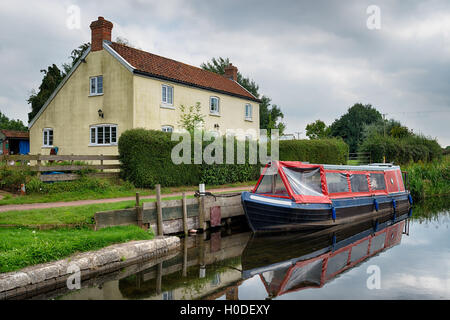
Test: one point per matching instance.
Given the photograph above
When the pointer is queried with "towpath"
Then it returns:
(31, 206)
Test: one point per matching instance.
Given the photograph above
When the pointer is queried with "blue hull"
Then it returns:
(269, 214)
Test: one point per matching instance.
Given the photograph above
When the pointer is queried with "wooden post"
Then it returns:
(101, 162)
(185, 218)
(201, 255)
(201, 208)
(38, 165)
(185, 256)
(159, 278)
(159, 218)
(139, 211)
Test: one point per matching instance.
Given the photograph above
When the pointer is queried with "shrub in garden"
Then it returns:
(326, 151)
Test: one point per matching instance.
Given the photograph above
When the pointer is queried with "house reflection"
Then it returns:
(299, 261)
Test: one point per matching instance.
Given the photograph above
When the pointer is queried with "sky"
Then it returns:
(314, 59)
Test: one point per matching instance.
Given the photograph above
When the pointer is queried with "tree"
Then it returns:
(317, 130)
(52, 78)
(191, 118)
(350, 126)
(269, 115)
(10, 124)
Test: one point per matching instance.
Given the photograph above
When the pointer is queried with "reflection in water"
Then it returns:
(236, 264)
(299, 261)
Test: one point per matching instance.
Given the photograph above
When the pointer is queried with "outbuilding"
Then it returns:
(14, 142)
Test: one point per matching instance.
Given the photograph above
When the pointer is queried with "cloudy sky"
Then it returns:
(315, 59)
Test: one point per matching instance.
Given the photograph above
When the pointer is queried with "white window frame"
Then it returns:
(167, 128)
(165, 99)
(96, 91)
(248, 116)
(46, 139)
(94, 128)
(214, 112)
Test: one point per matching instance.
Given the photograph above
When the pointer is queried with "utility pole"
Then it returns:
(384, 135)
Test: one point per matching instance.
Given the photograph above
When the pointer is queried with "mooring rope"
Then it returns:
(225, 195)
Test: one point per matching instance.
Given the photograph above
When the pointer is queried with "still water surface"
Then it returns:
(408, 259)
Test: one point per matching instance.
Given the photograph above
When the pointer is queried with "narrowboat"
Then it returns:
(311, 259)
(292, 195)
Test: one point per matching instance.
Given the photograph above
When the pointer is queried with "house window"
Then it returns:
(214, 105)
(167, 94)
(167, 129)
(47, 136)
(248, 111)
(103, 135)
(96, 85)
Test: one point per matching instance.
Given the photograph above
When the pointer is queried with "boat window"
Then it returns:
(359, 183)
(337, 182)
(377, 181)
(280, 188)
(265, 186)
(272, 183)
(304, 181)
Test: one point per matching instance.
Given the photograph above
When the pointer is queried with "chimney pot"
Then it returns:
(231, 72)
(100, 30)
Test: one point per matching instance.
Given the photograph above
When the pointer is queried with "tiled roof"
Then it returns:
(16, 134)
(164, 68)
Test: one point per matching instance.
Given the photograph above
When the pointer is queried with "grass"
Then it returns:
(113, 191)
(429, 179)
(22, 247)
(78, 215)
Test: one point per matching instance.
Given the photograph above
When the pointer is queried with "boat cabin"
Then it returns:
(315, 183)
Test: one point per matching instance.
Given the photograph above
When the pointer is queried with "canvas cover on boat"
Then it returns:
(312, 183)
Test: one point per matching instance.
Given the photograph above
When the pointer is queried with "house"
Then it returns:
(14, 142)
(114, 88)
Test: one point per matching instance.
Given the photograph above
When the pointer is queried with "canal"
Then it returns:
(408, 259)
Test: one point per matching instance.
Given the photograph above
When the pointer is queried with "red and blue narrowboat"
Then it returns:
(292, 195)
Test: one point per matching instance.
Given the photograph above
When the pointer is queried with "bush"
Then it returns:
(11, 179)
(429, 179)
(145, 156)
(326, 151)
(401, 150)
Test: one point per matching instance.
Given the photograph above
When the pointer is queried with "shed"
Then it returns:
(14, 142)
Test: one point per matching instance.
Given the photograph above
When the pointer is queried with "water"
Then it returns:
(409, 259)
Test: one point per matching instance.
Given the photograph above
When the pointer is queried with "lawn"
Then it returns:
(22, 247)
(79, 215)
(110, 191)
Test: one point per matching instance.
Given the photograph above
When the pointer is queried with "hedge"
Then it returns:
(402, 150)
(145, 157)
(326, 151)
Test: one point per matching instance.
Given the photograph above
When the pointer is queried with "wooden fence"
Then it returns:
(49, 167)
(359, 158)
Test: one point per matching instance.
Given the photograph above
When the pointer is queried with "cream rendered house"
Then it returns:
(114, 88)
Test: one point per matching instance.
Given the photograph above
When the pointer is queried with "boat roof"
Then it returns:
(367, 167)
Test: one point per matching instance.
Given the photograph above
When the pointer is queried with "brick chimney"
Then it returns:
(231, 72)
(100, 30)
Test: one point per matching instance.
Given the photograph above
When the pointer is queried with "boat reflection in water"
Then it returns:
(297, 261)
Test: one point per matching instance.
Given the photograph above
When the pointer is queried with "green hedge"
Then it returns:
(327, 151)
(402, 150)
(145, 156)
